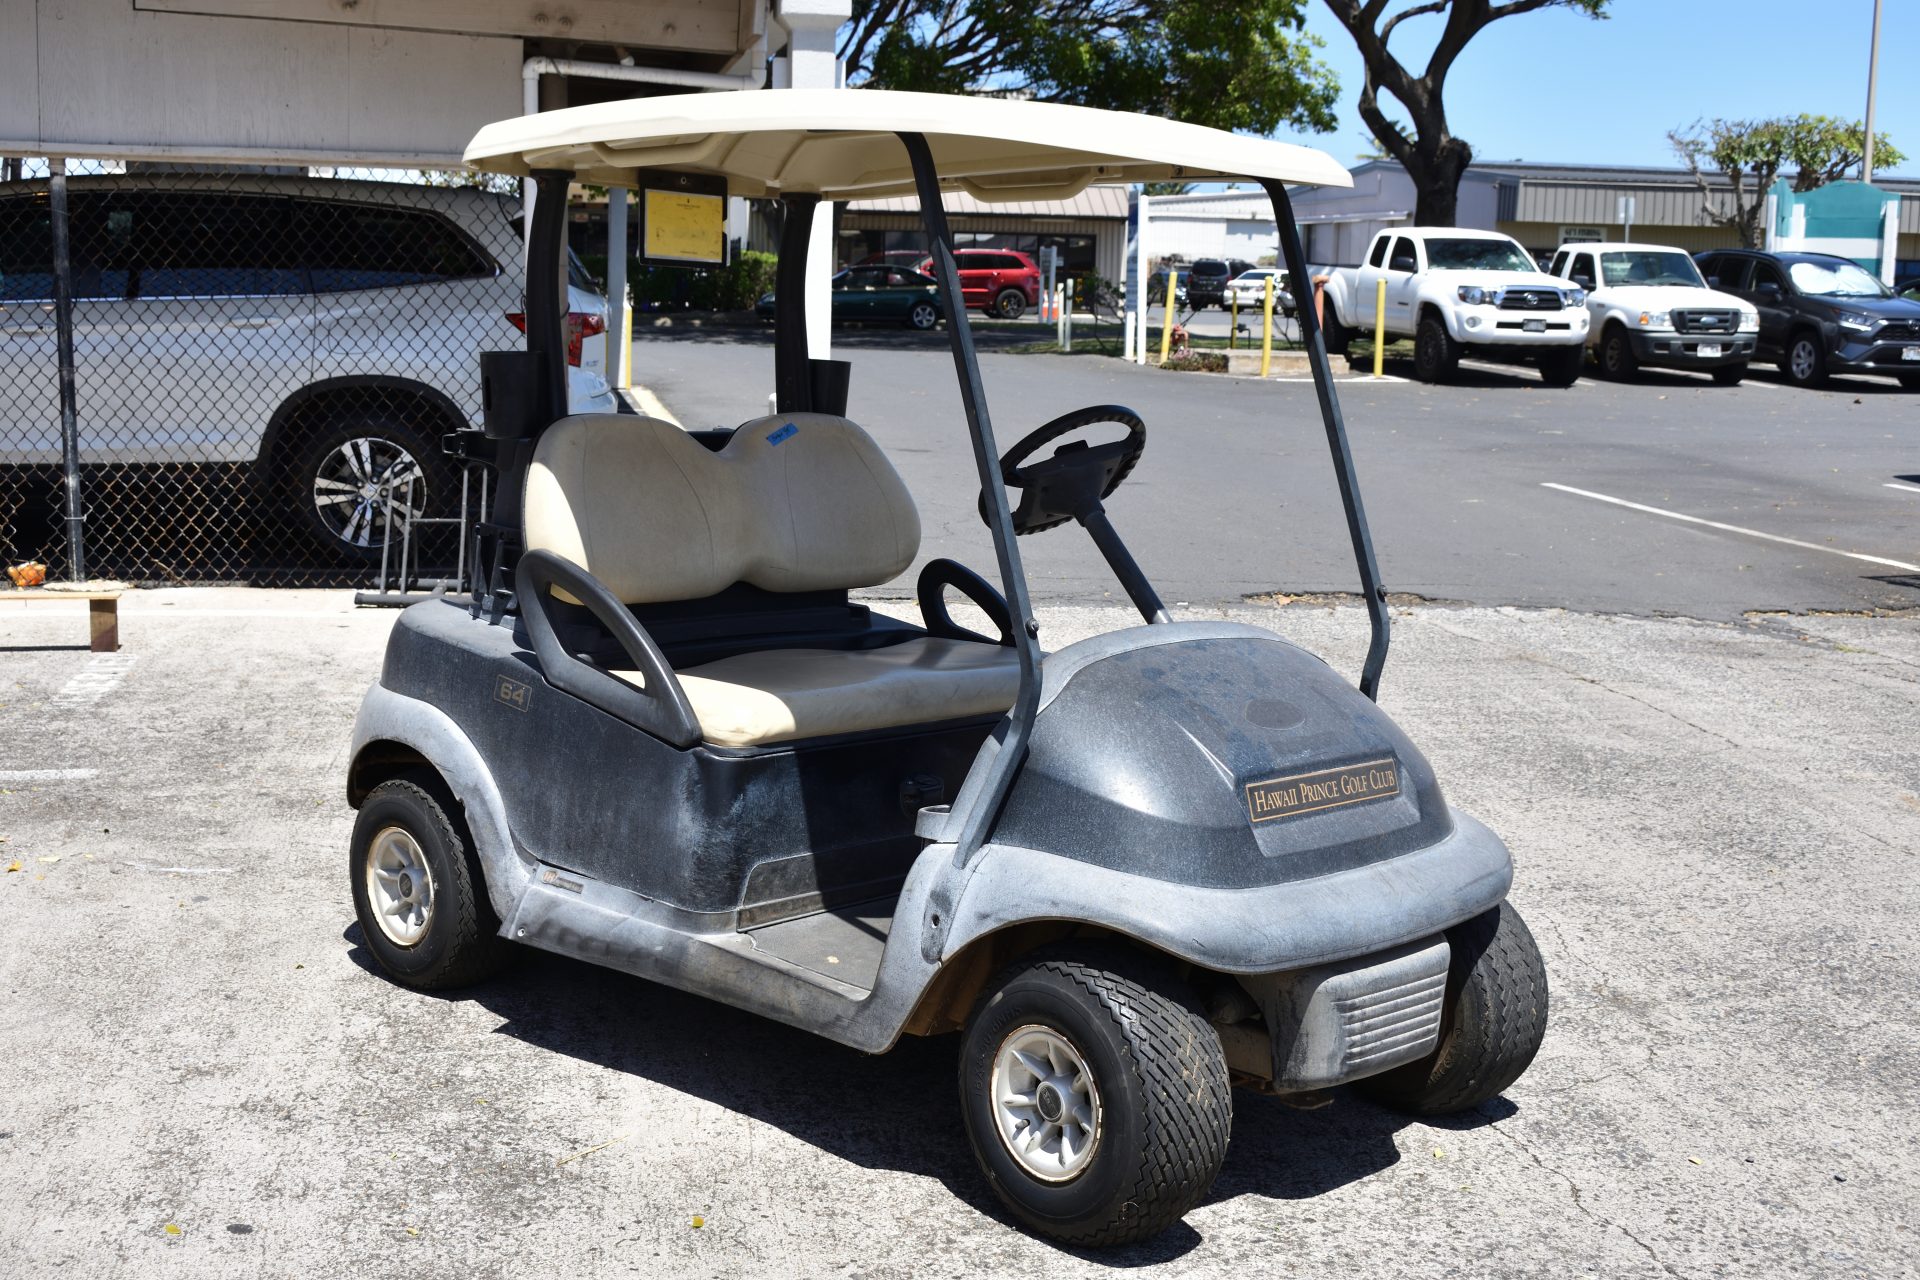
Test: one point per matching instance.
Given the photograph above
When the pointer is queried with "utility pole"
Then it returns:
(1873, 67)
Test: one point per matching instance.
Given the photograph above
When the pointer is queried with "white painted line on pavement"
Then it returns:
(1904, 488)
(1731, 528)
(100, 677)
(46, 775)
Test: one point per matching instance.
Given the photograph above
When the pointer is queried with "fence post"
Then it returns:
(63, 333)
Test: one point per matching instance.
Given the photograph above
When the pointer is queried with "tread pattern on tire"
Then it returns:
(1479, 1062)
(474, 951)
(1184, 1144)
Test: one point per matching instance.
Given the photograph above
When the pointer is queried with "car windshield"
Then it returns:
(1209, 267)
(1477, 255)
(1835, 280)
(1650, 267)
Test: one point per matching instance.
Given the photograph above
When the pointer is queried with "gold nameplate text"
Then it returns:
(1325, 789)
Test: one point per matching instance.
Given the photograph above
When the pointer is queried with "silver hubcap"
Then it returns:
(1046, 1105)
(923, 317)
(1803, 356)
(359, 483)
(399, 886)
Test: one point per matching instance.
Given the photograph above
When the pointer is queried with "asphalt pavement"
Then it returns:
(205, 1076)
(1492, 490)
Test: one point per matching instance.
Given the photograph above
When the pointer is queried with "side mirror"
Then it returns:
(1585, 282)
(1713, 282)
(1401, 262)
(1771, 291)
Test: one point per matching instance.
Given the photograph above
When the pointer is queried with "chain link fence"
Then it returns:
(265, 362)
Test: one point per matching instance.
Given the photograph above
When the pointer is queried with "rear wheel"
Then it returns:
(1011, 304)
(1911, 381)
(1561, 366)
(418, 891)
(1494, 1020)
(1095, 1095)
(1729, 375)
(1338, 336)
(365, 477)
(1617, 360)
(1805, 361)
(1435, 353)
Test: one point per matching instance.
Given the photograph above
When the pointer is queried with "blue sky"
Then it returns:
(1610, 90)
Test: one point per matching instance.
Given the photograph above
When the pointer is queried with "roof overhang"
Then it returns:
(842, 144)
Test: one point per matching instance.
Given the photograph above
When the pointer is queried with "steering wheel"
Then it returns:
(1076, 477)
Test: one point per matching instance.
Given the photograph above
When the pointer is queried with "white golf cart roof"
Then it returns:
(841, 144)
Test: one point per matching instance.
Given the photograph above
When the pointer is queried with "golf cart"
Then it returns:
(1132, 872)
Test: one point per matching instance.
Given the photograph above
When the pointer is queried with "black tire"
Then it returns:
(923, 316)
(1617, 361)
(1160, 1092)
(1561, 366)
(1911, 381)
(1011, 304)
(1807, 354)
(1729, 375)
(1495, 1019)
(460, 943)
(1338, 336)
(356, 526)
(1435, 353)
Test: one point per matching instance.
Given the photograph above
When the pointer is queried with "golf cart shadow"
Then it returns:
(909, 1115)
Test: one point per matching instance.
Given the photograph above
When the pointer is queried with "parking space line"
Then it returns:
(1731, 528)
(101, 676)
(46, 775)
(1904, 488)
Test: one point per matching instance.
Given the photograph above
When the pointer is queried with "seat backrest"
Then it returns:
(798, 502)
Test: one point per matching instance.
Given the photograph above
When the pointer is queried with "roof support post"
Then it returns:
(1012, 740)
(1374, 593)
(792, 378)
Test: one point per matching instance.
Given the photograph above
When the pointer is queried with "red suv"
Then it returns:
(1001, 282)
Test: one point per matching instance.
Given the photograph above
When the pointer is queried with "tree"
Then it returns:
(1231, 64)
(1432, 156)
(1751, 154)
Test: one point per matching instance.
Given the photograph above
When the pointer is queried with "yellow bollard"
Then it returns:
(1166, 323)
(1233, 323)
(1379, 325)
(1266, 330)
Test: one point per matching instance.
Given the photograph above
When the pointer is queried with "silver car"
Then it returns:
(323, 332)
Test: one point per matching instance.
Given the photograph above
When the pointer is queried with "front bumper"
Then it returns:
(1494, 327)
(1874, 354)
(1666, 349)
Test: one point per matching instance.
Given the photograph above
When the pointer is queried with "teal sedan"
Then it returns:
(878, 293)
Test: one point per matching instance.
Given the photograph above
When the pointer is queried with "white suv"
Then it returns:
(1650, 307)
(325, 332)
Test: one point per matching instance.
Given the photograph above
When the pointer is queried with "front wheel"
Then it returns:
(1617, 360)
(418, 890)
(1560, 366)
(1435, 353)
(1010, 305)
(1911, 381)
(1095, 1095)
(1805, 363)
(923, 315)
(1490, 1029)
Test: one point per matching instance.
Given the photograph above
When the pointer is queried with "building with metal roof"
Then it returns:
(1546, 205)
(1088, 230)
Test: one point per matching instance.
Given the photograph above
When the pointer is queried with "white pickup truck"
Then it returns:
(1650, 307)
(1456, 291)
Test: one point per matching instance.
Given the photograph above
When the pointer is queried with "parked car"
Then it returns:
(1157, 288)
(1207, 282)
(878, 293)
(322, 332)
(1249, 289)
(1001, 282)
(1456, 291)
(1821, 314)
(1649, 306)
(908, 258)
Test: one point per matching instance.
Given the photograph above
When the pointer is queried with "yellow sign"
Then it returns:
(685, 228)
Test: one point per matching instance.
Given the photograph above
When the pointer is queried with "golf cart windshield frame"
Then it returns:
(795, 383)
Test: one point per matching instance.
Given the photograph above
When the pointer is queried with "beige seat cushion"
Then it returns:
(778, 695)
(798, 502)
